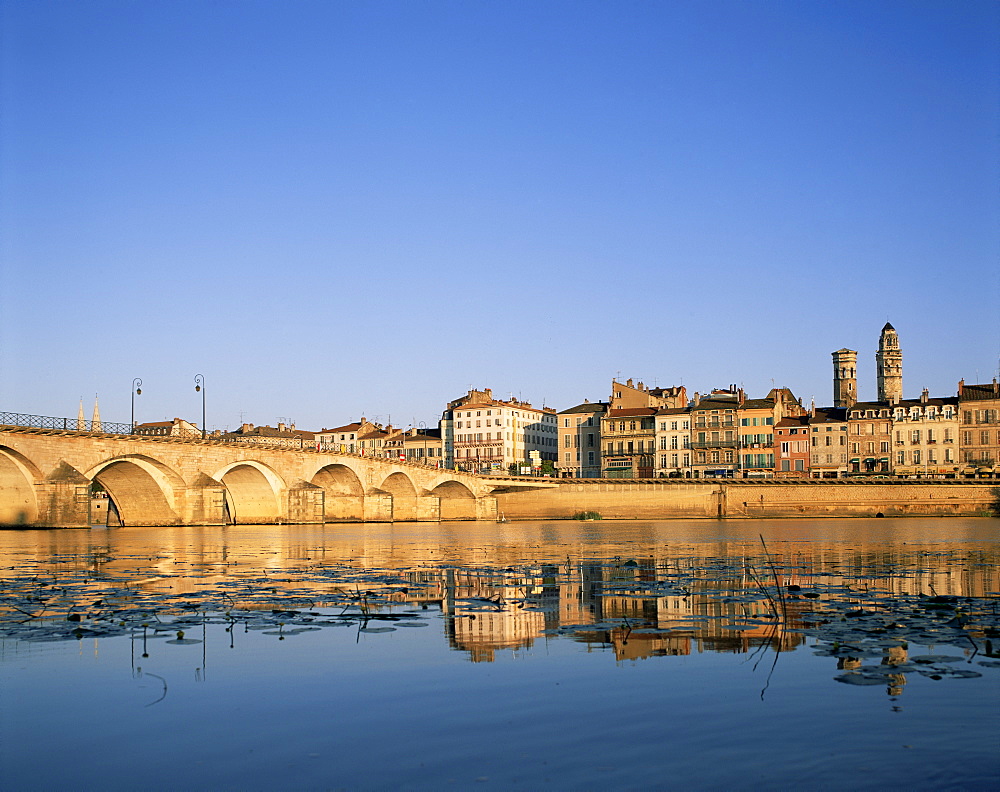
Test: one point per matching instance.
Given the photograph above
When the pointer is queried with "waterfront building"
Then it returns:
(579, 440)
(869, 438)
(791, 447)
(422, 446)
(757, 418)
(626, 396)
(283, 434)
(979, 441)
(629, 437)
(346, 439)
(889, 362)
(828, 442)
(178, 427)
(925, 435)
(628, 429)
(483, 433)
(673, 442)
(714, 435)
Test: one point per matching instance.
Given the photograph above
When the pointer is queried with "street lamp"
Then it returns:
(423, 430)
(136, 391)
(199, 385)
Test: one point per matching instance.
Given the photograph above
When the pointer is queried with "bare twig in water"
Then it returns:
(777, 581)
(150, 704)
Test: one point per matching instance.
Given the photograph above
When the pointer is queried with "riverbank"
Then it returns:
(652, 499)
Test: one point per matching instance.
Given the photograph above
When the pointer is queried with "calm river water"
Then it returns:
(831, 654)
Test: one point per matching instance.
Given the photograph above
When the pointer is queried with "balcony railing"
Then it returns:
(715, 444)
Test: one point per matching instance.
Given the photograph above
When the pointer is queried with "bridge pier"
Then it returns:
(305, 503)
(63, 499)
(206, 502)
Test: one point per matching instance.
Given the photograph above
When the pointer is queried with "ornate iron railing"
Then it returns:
(63, 424)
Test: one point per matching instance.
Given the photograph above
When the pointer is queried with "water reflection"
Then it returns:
(862, 593)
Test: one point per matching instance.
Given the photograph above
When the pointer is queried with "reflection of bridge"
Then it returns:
(46, 475)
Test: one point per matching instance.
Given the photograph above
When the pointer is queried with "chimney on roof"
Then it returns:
(961, 386)
(924, 395)
(246, 428)
(281, 426)
(629, 382)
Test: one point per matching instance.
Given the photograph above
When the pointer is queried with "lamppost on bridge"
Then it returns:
(136, 391)
(199, 385)
(423, 430)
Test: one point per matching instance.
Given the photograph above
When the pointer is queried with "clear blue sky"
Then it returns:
(332, 209)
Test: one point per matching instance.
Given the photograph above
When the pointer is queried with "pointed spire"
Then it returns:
(95, 423)
(81, 422)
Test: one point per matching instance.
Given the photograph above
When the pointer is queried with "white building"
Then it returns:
(482, 433)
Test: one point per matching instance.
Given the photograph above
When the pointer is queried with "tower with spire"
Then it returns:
(889, 360)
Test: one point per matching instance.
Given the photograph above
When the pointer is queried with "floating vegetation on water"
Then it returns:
(858, 613)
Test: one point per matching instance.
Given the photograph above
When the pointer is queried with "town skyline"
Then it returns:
(332, 211)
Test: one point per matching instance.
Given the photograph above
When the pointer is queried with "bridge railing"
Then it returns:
(63, 424)
(166, 431)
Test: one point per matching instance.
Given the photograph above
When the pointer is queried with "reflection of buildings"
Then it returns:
(671, 599)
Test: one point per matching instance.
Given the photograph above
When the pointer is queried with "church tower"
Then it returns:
(845, 379)
(889, 360)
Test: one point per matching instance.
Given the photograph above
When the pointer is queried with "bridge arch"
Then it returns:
(457, 502)
(253, 492)
(344, 492)
(19, 505)
(404, 496)
(141, 488)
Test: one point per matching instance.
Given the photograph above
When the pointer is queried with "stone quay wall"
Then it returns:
(653, 499)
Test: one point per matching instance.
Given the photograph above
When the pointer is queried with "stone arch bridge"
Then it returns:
(46, 477)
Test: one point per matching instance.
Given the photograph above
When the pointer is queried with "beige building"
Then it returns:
(629, 438)
(925, 437)
(714, 433)
(282, 435)
(673, 442)
(628, 429)
(579, 439)
(350, 438)
(421, 446)
(979, 412)
(481, 433)
(828, 442)
(175, 428)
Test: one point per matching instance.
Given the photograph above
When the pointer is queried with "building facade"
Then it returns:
(869, 438)
(979, 441)
(792, 455)
(925, 437)
(828, 443)
(579, 440)
(673, 442)
(714, 433)
(481, 433)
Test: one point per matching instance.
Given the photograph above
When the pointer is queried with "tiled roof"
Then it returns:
(632, 411)
(586, 407)
(980, 392)
(673, 410)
